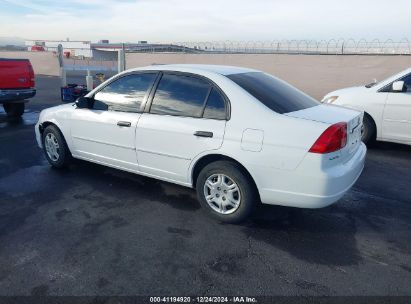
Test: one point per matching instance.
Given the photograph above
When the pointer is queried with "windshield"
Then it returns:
(274, 93)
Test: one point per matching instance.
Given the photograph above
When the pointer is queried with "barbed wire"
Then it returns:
(332, 46)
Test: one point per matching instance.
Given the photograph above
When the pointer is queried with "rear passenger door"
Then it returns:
(185, 116)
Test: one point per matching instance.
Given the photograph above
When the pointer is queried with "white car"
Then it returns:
(239, 136)
(387, 107)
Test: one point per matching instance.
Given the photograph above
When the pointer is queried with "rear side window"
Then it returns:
(126, 93)
(215, 107)
(276, 94)
(180, 95)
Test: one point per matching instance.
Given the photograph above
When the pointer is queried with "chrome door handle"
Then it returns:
(124, 124)
(203, 133)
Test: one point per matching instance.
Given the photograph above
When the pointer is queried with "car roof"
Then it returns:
(198, 68)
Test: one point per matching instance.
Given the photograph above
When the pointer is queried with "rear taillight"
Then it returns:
(31, 76)
(332, 139)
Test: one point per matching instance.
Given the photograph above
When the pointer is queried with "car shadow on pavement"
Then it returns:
(28, 118)
(127, 185)
(378, 203)
(382, 146)
(9, 121)
(321, 236)
(388, 146)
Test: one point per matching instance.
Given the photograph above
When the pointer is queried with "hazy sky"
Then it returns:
(206, 20)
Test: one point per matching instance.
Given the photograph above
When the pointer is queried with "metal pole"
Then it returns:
(124, 57)
(89, 81)
(120, 61)
(63, 77)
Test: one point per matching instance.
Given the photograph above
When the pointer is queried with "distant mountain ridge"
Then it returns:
(11, 41)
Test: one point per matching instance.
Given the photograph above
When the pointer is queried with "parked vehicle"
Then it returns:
(239, 136)
(17, 84)
(387, 107)
(37, 48)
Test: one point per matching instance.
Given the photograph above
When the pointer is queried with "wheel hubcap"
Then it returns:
(52, 146)
(222, 194)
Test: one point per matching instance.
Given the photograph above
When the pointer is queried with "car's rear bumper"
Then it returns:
(16, 95)
(310, 188)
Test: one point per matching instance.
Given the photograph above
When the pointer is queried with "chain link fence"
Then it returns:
(332, 47)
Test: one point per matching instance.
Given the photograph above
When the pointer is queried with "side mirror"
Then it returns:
(399, 86)
(84, 102)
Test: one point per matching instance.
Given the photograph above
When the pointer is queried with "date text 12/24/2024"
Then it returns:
(203, 299)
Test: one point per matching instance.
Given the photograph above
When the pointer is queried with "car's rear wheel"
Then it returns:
(369, 129)
(226, 191)
(14, 109)
(55, 147)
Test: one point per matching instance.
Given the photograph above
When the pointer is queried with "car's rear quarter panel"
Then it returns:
(285, 140)
(284, 171)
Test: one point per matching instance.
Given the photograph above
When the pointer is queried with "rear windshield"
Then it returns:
(276, 94)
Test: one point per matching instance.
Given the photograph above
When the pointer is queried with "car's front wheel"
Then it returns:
(369, 130)
(226, 191)
(14, 109)
(55, 147)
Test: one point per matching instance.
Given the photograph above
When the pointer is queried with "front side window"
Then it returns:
(274, 93)
(180, 95)
(127, 93)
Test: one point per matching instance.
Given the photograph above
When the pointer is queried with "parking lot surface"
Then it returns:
(92, 230)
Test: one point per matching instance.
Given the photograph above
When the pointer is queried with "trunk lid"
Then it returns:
(16, 74)
(331, 114)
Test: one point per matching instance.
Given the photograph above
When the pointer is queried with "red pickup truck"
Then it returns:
(16, 85)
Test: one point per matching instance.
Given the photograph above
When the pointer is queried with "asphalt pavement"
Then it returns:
(92, 230)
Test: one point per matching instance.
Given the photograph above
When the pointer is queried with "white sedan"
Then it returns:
(387, 107)
(239, 136)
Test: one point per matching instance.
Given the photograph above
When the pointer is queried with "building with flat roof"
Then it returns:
(72, 48)
(103, 50)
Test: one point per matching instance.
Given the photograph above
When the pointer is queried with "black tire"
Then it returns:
(64, 156)
(369, 130)
(14, 109)
(247, 191)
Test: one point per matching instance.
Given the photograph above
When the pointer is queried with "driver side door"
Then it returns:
(397, 114)
(105, 133)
